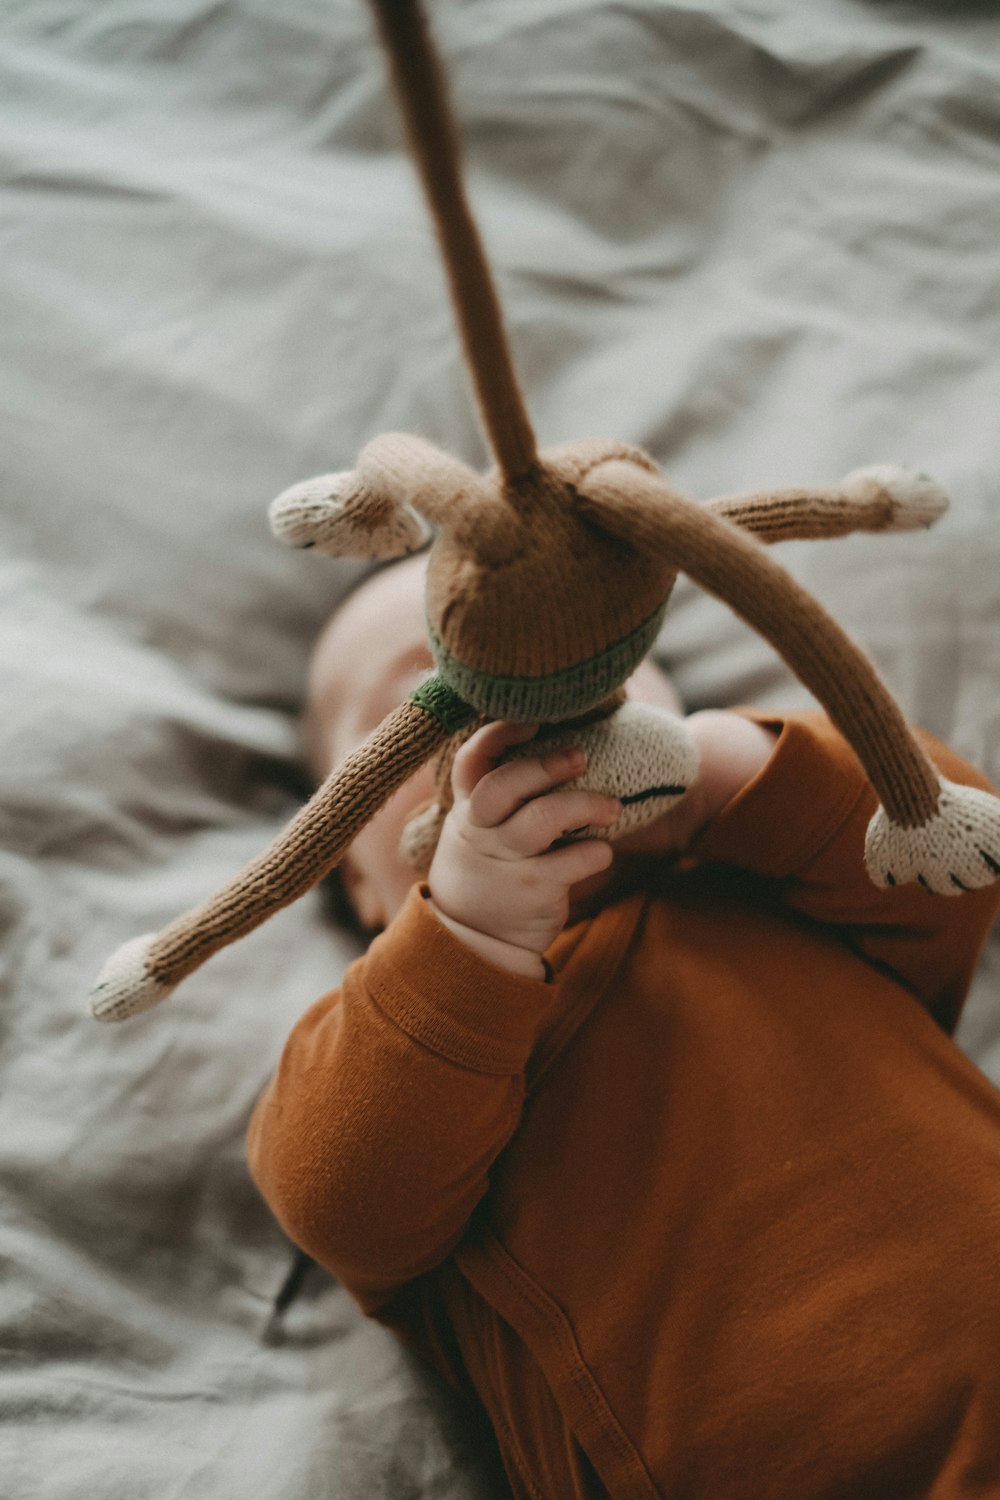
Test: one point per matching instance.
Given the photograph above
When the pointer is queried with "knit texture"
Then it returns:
(439, 699)
(724, 1187)
(956, 850)
(422, 96)
(640, 754)
(738, 570)
(125, 987)
(307, 849)
(341, 515)
(518, 600)
(880, 498)
(547, 583)
(558, 695)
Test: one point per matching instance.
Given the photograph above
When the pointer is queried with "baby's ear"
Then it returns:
(345, 516)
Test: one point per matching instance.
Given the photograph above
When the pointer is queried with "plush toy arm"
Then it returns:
(145, 970)
(339, 514)
(882, 498)
(948, 843)
(375, 510)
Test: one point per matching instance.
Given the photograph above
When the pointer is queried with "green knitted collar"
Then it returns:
(529, 700)
(438, 699)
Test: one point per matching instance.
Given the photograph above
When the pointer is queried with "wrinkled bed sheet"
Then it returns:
(758, 238)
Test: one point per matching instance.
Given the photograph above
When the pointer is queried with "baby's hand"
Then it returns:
(496, 880)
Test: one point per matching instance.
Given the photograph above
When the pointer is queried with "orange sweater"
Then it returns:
(714, 1214)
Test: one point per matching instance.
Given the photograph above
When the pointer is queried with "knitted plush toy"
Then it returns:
(547, 583)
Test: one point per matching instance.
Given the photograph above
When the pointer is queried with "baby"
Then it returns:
(660, 1151)
(382, 625)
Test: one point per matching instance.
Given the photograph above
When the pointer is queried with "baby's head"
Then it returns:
(369, 657)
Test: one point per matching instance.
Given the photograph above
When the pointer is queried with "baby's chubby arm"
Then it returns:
(501, 880)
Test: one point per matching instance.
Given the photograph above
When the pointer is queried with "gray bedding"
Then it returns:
(757, 238)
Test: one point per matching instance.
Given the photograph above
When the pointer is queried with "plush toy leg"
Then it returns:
(922, 828)
(145, 970)
(956, 850)
(882, 498)
(125, 986)
(427, 116)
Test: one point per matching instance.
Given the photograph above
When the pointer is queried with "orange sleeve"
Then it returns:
(374, 1140)
(802, 823)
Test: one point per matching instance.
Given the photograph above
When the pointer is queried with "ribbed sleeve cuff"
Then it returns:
(792, 808)
(449, 999)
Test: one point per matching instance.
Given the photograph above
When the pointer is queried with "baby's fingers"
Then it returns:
(507, 788)
(480, 753)
(537, 825)
(575, 862)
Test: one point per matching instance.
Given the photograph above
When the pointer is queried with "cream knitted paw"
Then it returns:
(340, 515)
(957, 850)
(124, 987)
(642, 755)
(915, 499)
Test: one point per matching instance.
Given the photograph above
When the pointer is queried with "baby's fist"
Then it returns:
(501, 877)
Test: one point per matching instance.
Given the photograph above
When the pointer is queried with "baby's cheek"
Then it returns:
(650, 684)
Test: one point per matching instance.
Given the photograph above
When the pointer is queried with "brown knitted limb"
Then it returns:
(795, 515)
(308, 848)
(882, 499)
(415, 472)
(430, 127)
(641, 510)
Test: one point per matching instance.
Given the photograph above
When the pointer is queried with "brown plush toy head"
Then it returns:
(548, 579)
(509, 565)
